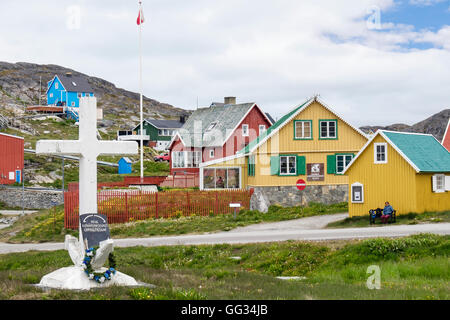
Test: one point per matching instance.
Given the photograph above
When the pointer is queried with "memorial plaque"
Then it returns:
(315, 171)
(94, 228)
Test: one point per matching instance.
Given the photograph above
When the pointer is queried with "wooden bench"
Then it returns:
(377, 213)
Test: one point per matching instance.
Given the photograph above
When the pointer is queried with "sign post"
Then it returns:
(235, 206)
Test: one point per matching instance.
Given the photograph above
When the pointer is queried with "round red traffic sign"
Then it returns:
(301, 184)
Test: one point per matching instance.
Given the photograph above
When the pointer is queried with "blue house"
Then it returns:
(125, 165)
(66, 90)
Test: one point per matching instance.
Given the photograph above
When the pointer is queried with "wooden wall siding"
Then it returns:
(395, 182)
(236, 141)
(428, 200)
(348, 138)
(315, 150)
(263, 177)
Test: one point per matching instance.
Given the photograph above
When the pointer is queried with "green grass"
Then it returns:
(48, 225)
(152, 168)
(410, 218)
(200, 224)
(44, 226)
(415, 267)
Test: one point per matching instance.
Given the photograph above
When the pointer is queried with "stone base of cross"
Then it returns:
(88, 148)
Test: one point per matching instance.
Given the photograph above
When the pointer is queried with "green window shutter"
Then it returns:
(331, 164)
(251, 165)
(301, 165)
(275, 165)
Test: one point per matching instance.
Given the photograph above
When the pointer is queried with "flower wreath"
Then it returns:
(98, 276)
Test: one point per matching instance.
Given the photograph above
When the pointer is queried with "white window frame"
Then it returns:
(79, 95)
(245, 130)
(302, 131)
(295, 163)
(436, 179)
(51, 95)
(215, 168)
(375, 153)
(186, 156)
(357, 184)
(73, 103)
(345, 165)
(211, 153)
(262, 128)
(56, 85)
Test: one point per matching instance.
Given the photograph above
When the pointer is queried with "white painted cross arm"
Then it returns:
(93, 147)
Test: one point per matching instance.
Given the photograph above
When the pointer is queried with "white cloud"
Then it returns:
(423, 3)
(276, 53)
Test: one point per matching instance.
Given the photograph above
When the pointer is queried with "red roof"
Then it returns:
(446, 139)
(45, 109)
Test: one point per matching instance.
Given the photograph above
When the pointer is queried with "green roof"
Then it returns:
(274, 127)
(423, 150)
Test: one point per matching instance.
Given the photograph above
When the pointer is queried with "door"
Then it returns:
(18, 176)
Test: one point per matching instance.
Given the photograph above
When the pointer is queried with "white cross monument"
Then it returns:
(88, 148)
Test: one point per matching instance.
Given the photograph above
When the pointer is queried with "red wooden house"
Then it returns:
(11, 159)
(215, 132)
(446, 139)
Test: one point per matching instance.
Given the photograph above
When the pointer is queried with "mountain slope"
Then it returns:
(434, 125)
(19, 86)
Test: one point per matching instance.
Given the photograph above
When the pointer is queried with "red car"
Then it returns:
(162, 157)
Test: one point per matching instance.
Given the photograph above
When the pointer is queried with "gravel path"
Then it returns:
(306, 229)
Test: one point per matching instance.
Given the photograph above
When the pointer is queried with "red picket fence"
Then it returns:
(121, 207)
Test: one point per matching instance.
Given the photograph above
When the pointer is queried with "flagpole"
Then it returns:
(140, 90)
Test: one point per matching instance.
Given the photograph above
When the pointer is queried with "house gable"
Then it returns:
(446, 138)
(281, 137)
(298, 113)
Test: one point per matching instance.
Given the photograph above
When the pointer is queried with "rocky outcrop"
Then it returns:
(435, 125)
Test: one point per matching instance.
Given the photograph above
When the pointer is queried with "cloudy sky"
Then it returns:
(373, 61)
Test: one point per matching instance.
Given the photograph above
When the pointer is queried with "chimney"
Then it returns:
(68, 74)
(230, 100)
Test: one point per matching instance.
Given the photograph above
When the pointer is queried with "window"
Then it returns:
(328, 129)
(79, 95)
(438, 183)
(56, 85)
(211, 153)
(342, 161)
(73, 103)
(288, 165)
(380, 152)
(262, 128)
(51, 95)
(221, 178)
(211, 126)
(357, 193)
(186, 159)
(302, 129)
(245, 130)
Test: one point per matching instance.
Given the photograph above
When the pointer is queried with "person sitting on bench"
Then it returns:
(387, 212)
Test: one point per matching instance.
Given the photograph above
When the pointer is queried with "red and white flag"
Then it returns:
(140, 18)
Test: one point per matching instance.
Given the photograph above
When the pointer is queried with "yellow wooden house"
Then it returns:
(310, 143)
(409, 170)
